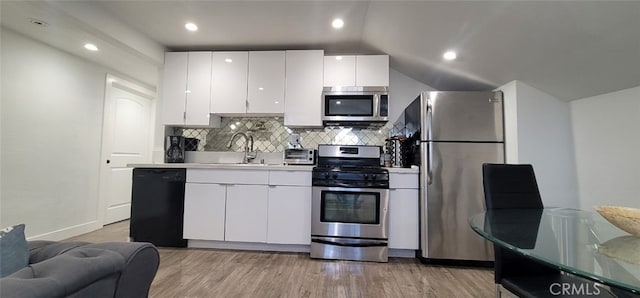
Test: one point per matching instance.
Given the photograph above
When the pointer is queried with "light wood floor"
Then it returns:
(188, 272)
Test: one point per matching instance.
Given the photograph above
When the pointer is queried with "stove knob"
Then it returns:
(373, 177)
(366, 176)
(334, 176)
(326, 175)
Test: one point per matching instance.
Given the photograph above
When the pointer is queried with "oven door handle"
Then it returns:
(366, 244)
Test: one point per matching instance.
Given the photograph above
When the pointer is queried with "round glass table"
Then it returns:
(576, 241)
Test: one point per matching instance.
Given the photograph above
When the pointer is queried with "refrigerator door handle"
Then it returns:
(429, 163)
(429, 144)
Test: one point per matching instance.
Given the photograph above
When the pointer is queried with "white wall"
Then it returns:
(538, 132)
(92, 14)
(402, 91)
(606, 130)
(511, 121)
(52, 109)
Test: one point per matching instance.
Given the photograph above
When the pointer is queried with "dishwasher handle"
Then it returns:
(178, 175)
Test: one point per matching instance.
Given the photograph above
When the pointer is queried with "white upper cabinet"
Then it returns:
(364, 71)
(174, 88)
(198, 88)
(266, 82)
(229, 82)
(303, 88)
(186, 88)
(372, 70)
(339, 71)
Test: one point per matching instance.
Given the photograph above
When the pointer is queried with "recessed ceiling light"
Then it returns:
(228, 60)
(450, 55)
(38, 22)
(191, 26)
(337, 23)
(276, 102)
(260, 88)
(338, 57)
(90, 47)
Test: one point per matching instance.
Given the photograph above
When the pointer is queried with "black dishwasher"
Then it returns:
(157, 206)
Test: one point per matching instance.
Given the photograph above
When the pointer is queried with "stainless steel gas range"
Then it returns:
(350, 202)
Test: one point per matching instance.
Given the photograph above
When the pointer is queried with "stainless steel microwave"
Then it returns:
(346, 106)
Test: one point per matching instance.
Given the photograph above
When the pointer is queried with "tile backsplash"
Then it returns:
(270, 135)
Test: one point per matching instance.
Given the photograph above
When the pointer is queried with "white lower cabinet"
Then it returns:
(204, 211)
(246, 217)
(289, 215)
(403, 218)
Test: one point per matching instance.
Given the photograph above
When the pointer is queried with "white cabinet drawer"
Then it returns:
(227, 176)
(400, 180)
(293, 178)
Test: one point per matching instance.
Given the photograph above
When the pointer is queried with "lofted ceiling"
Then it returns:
(571, 49)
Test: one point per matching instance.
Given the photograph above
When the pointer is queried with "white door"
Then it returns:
(289, 215)
(126, 139)
(266, 82)
(339, 71)
(403, 218)
(372, 70)
(199, 89)
(229, 82)
(174, 88)
(303, 88)
(204, 211)
(246, 213)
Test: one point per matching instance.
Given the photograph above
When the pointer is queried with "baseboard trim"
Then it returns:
(248, 246)
(117, 213)
(68, 232)
(395, 253)
(402, 253)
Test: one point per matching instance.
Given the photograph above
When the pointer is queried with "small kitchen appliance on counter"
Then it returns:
(174, 149)
(300, 156)
(191, 144)
(349, 204)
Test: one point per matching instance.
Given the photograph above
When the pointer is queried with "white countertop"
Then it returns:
(228, 166)
(412, 169)
(232, 166)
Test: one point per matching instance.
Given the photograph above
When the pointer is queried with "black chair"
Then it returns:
(508, 186)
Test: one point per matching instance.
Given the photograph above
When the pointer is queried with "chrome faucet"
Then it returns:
(249, 154)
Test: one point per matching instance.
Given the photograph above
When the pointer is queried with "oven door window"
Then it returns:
(349, 105)
(350, 207)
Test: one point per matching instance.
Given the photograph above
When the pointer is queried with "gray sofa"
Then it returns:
(81, 269)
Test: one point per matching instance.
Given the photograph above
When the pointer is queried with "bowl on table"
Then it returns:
(624, 248)
(625, 218)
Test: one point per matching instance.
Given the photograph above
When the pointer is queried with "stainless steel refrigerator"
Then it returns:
(452, 135)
